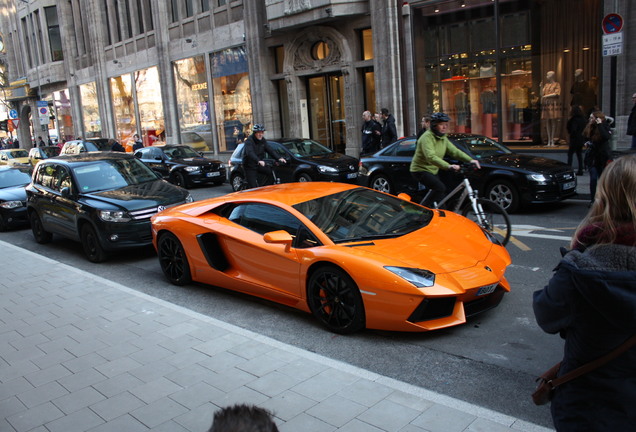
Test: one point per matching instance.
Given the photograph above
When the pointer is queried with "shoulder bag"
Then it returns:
(549, 381)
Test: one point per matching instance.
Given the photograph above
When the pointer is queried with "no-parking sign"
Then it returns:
(43, 111)
(612, 23)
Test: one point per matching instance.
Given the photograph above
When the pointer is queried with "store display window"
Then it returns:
(510, 70)
(193, 103)
(232, 97)
(149, 105)
(62, 121)
(124, 108)
(90, 111)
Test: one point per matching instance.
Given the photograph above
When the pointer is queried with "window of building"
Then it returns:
(232, 97)
(366, 41)
(369, 89)
(279, 57)
(124, 108)
(205, 5)
(90, 111)
(63, 120)
(128, 30)
(189, 8)
(149, 105)
(174, 10)
(193, 103)
(320, 50)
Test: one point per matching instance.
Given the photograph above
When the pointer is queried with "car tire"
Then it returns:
(304, 177)
(173, 260)
(335, 300)
(40, 235)
(238, 182)
(93, 249)
(180, 180)
(381, 183)
(505, 194)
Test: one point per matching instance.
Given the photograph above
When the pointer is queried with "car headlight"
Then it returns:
(222, 166)
(189, 199)
(418, 277)
(192, 169)
(539, 178)
(114, 216)
(327, 169)
(11, 204)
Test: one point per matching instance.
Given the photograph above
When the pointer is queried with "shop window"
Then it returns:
(369, 90)
(124, 108)
(232, 97)
(90, 111)
(149, 105)
(193, 102)
(63, 119)
(366, 42)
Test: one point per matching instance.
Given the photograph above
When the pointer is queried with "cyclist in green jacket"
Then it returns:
(429, 155)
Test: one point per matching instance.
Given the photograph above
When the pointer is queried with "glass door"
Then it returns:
(326, 111)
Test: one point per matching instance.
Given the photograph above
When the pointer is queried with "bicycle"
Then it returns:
(238, 178)
(486, 213)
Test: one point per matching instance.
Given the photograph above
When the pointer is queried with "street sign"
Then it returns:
(612, 44)
(13, 114)
(15, 122)
(612, 23)
(43, 111)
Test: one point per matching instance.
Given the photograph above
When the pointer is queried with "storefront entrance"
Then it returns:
(326, 110)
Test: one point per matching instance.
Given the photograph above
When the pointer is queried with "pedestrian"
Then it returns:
(137, 144)
(16, 143)
(425, 124)
(243, 418)
(115, 146)
(389, 131)
(631, 123)
(598, 153)
(591, 302)
(575, 126)
(371, 133)
(41, 142)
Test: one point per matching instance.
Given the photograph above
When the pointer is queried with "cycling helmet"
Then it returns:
(439, 117)
(258, 128)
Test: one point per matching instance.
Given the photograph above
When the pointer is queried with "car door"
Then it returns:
(398, 164)
(285, 172)
(64, 208)
(263, 266)
(155, 159)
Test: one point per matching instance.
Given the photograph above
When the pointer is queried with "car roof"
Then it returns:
(89, 157)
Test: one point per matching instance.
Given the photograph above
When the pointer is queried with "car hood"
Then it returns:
(144, 195)
(455, 250)
(536, 164)
(14, 193)
(337, 159)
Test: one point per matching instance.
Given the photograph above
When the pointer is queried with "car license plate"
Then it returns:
(352, 175)
(213, 174)
(569, 185)
(488, 289)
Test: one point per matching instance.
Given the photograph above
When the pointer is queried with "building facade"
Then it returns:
(203, 72)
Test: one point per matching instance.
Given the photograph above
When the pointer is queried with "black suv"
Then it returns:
(182, 165)
(104, 200)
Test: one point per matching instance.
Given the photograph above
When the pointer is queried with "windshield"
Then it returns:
(180, 152)
(51, 151)
(364, 214)
(13, 177)
(112, 174)
(482, 147)
(306, 148)
(17, 154)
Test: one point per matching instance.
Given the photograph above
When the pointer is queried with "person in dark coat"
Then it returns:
(598, 153)
(138, 144)
(425, 124)
(371, 134)
(591, 302)
(631, 123)
(389, 131)
(253, 154)
(575, 126)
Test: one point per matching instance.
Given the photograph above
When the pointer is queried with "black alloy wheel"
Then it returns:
(505, 194)
(304, 177)
(92, 247)
(335, 300)
(180, 180)
(238, 182)
(173, 259)
(39, 233)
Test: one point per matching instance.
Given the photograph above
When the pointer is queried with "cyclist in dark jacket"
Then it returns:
(253, 154)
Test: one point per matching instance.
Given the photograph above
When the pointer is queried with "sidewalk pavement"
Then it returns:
(81, 353)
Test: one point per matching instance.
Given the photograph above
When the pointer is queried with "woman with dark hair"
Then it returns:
(591, 302)
(575, 126)
(598, 153)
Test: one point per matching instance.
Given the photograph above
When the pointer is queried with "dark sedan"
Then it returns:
(307, 160)
(511, 179)
(102, 199)
(183, 166)
(13, 197)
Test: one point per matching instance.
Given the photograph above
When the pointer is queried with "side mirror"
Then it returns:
(66, 192)
(158, 158)
(279, 237)
(405, 196)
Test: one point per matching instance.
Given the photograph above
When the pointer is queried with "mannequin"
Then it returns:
(550, 93)
(579, 89)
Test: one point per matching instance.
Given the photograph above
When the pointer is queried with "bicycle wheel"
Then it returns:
(495, 220)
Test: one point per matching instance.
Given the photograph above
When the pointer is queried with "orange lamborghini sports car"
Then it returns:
(352, 256)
